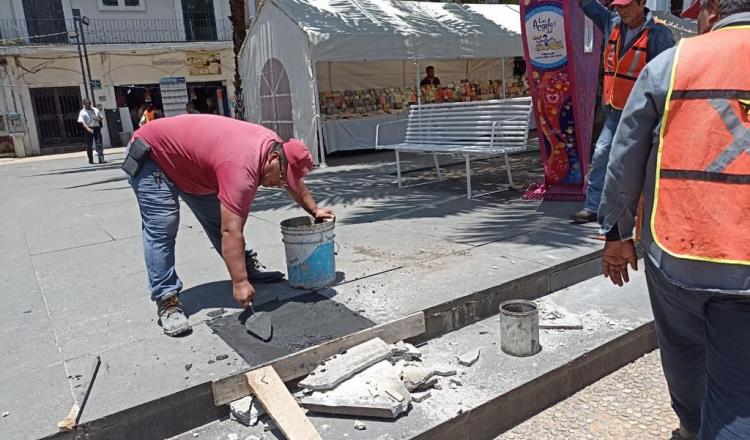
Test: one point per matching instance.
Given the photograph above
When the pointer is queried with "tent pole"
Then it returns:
(316, 119)
(502, 64)
(419, 88)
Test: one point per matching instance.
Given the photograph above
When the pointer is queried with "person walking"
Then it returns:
(635, 38)
(216, 165)
(90, 119)
(684, 139)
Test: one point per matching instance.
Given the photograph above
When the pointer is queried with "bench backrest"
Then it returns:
(470, 123)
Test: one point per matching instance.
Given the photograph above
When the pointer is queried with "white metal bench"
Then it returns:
(479, 128)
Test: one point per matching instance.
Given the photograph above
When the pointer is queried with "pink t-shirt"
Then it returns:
(208, 154)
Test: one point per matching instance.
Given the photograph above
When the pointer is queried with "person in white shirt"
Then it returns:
(91, 120)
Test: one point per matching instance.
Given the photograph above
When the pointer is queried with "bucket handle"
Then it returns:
(337, 247)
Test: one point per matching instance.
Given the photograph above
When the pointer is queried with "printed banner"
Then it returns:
(204, 63)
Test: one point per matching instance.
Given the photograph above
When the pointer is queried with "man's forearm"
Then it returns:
(233, 251)
(305, 199)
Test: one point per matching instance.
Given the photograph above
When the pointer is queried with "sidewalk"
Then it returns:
(74, 280)
(632, 402)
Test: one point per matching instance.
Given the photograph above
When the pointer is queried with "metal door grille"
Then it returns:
(56, 112)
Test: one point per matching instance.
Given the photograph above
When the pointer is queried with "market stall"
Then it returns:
(317, 69)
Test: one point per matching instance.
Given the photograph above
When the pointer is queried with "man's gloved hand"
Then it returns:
(617, 255)
(244, 293)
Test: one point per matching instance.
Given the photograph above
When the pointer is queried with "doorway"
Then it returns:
(56, 112)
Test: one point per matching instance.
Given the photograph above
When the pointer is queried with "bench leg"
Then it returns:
(398, 169)
(437, 166)
(507, 167)
(468, 177)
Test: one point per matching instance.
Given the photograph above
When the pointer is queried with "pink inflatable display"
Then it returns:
(562, 50)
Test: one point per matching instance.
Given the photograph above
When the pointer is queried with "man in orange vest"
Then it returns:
(684, 140)
(634, 39)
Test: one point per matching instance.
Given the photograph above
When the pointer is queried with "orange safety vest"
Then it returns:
(702, 194)
(620, 73)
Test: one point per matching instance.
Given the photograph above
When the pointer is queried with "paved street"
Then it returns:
(74, 281)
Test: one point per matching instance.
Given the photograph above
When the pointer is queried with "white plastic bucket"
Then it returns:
(310, 254)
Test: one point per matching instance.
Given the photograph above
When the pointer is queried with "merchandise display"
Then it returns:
(352, 104)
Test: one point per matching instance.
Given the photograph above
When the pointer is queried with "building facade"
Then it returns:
(130, 47)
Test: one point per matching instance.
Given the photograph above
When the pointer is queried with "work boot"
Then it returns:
(257, 273)
(171, 317)
(584, 216)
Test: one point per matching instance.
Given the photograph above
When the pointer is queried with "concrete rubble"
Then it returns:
(554, 317)
(246, 411)
(469, 358)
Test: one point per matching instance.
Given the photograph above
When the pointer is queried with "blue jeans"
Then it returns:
(705, 355)
(158, 201)
(600, 160)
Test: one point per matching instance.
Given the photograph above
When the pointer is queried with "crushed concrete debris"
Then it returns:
(269, 425)
(188, 367)
(221, 357)
(359, 426)
(414, 377)
(469, 358)
(246, 411)
(6, 413)
(453, 380)
(233, 437)
(195, 434)
(420, 397)
(252, 437)
(438, 386)
(405, 351)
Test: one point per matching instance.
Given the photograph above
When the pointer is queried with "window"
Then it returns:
(122, 5)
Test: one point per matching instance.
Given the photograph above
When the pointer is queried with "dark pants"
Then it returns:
(705, 350)
(94, 140)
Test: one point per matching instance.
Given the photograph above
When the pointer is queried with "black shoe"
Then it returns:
(91, 161)
(584, 216)
(257, 273)
(101, 161)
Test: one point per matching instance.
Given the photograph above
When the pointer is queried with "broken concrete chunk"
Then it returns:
(375, 392)
(359, 425)
(469, 358)
(234, 436)
(415, 377)
(443, 370)
(339, 369)
(455, 381)
(420, 397)
(438, 386)
(405, 351)
(6, 413)
(567, 322)
(246, 411)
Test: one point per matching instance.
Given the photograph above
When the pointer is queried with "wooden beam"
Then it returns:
(301, 363)
(270, 390)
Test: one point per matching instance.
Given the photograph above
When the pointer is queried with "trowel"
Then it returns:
(259, 324)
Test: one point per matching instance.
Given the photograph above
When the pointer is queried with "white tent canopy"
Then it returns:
(299, 34)
(346, 30)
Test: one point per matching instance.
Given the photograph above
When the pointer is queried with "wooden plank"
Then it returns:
(301, 363)
(270, 390)
(346, 365)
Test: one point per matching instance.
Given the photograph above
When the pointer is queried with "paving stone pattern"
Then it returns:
(631, 403)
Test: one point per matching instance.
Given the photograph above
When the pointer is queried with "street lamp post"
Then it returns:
(80, 22)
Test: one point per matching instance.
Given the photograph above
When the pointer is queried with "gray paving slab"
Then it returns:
(151, 368)
(607, 312)
(30, 345)
(36, 400)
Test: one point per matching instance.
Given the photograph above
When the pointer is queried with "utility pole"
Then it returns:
(80, 22)
(80, 55)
